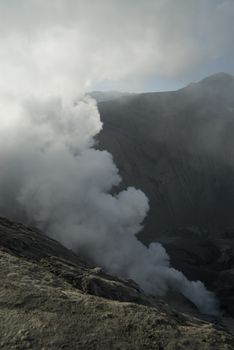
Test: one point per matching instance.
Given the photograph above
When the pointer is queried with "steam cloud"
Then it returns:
(52, 177)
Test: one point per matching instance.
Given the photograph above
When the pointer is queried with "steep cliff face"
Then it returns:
(178, 147)
(51, 299)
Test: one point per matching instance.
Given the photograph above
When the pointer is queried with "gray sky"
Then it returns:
(116, 44)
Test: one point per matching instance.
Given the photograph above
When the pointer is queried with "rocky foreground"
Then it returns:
(51, 299)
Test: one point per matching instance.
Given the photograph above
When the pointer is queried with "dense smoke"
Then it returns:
(52, 177)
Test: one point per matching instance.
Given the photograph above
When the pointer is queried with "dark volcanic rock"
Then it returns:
(202, 256)
(178, 147)
(51, 299)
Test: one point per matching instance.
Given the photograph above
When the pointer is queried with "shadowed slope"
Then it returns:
(178, 147)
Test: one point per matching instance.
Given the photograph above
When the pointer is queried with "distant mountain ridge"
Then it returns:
(102, 96)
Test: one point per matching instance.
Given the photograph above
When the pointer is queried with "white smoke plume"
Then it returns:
(50, 174)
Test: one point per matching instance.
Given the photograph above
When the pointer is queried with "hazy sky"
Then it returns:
(119, 44)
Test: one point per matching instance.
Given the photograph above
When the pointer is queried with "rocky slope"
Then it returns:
(51, 299)
(178, 147)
